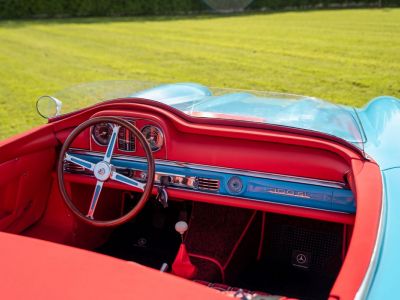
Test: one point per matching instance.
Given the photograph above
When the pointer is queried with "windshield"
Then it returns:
(200, 101)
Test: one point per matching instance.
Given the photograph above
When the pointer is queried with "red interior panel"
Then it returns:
(26, 162)
(364, 232)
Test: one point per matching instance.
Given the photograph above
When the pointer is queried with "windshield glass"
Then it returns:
(200, 101)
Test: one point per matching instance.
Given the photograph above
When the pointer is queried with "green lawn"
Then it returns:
(346, 56)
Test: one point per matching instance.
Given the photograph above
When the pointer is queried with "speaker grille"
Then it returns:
(322, 240)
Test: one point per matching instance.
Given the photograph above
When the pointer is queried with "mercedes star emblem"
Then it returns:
(301, 259)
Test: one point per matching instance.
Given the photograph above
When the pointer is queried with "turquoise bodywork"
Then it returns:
(381, 122)
(374, 128)
(380, 119)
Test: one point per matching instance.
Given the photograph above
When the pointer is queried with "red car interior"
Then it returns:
(234, 244)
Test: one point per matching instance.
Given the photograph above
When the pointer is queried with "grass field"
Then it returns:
(346, 56)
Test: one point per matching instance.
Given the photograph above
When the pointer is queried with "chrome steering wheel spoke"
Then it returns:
(128, 181)
(102, 171)
(80, 162)
(95, 198)
(111, 144)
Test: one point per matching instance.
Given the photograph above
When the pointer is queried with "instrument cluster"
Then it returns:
(101, 134)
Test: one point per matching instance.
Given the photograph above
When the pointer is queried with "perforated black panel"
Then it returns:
(322, 241)
(281, 272)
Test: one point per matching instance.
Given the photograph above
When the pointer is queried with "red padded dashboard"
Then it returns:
(237, 148)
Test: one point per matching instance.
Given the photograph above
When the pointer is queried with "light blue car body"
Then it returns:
(381, 122)
(377, 134)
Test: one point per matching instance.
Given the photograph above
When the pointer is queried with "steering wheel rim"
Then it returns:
(113, 175)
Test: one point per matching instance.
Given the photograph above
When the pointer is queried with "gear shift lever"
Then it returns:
(182, 265)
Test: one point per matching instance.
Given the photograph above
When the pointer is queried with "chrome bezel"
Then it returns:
(161, 135)
(231, 189)
(94, 136)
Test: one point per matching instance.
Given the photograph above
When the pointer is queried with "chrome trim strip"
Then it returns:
(365, 286)
(288, 178)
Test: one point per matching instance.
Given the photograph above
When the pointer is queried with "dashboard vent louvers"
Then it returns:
(73, 168)
(208, 184)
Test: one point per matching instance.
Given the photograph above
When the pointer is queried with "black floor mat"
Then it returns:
(150, 239)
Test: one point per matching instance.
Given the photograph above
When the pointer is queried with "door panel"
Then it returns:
(26, 163)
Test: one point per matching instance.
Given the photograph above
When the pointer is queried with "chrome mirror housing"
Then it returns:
(48, 107)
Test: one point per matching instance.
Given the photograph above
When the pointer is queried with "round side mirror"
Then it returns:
(48, 107)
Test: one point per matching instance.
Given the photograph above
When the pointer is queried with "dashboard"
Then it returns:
(214, 166)
(252, 186)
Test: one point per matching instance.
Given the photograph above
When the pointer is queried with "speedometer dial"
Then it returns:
(154, 137)
(101, 133)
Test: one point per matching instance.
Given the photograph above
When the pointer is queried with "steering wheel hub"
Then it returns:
(102, 171)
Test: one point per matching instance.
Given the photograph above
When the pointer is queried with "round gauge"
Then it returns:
(154, 137)
(235, 185)
(101, 133)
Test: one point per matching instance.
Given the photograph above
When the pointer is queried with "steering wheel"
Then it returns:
(104, 171)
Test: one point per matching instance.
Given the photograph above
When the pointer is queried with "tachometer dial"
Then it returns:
(154, 137)
(101, 133)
